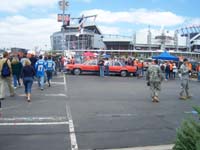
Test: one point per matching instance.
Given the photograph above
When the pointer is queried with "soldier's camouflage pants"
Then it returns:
(184, 88)
(155, 88)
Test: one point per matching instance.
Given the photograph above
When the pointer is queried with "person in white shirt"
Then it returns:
(175, 70)
(106, 65)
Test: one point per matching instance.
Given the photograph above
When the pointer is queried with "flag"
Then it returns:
(81, 22)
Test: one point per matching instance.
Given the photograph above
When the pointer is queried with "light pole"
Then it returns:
(63, 4)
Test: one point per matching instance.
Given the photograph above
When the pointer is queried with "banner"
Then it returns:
(66, 19)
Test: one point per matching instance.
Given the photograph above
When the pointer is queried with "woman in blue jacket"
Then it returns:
(28, 74)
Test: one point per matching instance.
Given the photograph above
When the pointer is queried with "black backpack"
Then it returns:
(5, 72)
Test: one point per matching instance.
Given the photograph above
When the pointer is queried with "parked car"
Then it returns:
(115, 67)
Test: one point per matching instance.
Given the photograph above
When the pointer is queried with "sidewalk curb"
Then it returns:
(159, 147)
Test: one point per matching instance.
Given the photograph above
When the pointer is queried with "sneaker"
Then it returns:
(189, 96)
(15, 87)
(29, 99)
(182, 97)
(2, 99)
(153, 99)
(156, 99)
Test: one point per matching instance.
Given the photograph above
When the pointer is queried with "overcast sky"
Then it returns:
(29, 23)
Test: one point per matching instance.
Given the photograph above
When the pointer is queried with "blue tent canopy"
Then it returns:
(106, 55)
(166, 56)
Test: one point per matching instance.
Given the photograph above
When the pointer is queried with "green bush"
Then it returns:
(188, 135)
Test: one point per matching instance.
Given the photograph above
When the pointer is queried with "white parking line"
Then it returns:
(58, 83)
(59, 94)
(74, 145)
(18, 119)
(33, 123)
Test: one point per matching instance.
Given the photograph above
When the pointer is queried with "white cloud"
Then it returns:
(138, 16)
(16, 5)
(22, 32)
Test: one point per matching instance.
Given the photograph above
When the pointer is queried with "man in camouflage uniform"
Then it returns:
(154, 78)
(184, 76)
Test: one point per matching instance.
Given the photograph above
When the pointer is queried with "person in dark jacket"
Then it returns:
(33, 60)
(101, 67)
(28, 74)
(16, 71)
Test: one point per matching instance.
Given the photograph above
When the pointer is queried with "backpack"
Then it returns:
(5, 72)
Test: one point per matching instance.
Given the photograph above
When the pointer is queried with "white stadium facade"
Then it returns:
(183, 41)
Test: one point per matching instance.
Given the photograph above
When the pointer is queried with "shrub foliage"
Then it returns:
(188, 135)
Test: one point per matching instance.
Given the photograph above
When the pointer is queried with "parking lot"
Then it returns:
(89, 112)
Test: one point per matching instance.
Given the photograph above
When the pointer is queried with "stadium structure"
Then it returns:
(86, 36)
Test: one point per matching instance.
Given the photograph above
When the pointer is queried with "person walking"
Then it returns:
(106, 64)
(198, 71)
(154, 78)
(33, 60)
(184, 76)
(16, 71)
(167, 71)
(40, 67)
(28, 74)
(5, 79)
(101, 67)
(50, 67)
(175, 70)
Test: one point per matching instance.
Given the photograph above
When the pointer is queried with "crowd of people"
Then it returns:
(157, 72)
(24, 70)
(17, 71)
(168, 68)
(155, 75)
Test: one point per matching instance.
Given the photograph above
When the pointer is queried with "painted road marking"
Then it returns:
(34, 119)
(116, 115)
(33, 123)
(74, 145)
(58, 95)
(27, 121)
(159, 147)
(59, 83)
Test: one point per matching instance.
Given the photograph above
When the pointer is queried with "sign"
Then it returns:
(66, 18)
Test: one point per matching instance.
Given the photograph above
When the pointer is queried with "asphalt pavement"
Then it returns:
(89, 112)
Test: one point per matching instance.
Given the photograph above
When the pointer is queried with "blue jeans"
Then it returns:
(15, 80)
(107, 72)
(101, 69)
(49, 75)
(198, 76)
(41, 82)
(167, 75)
(28, 82)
